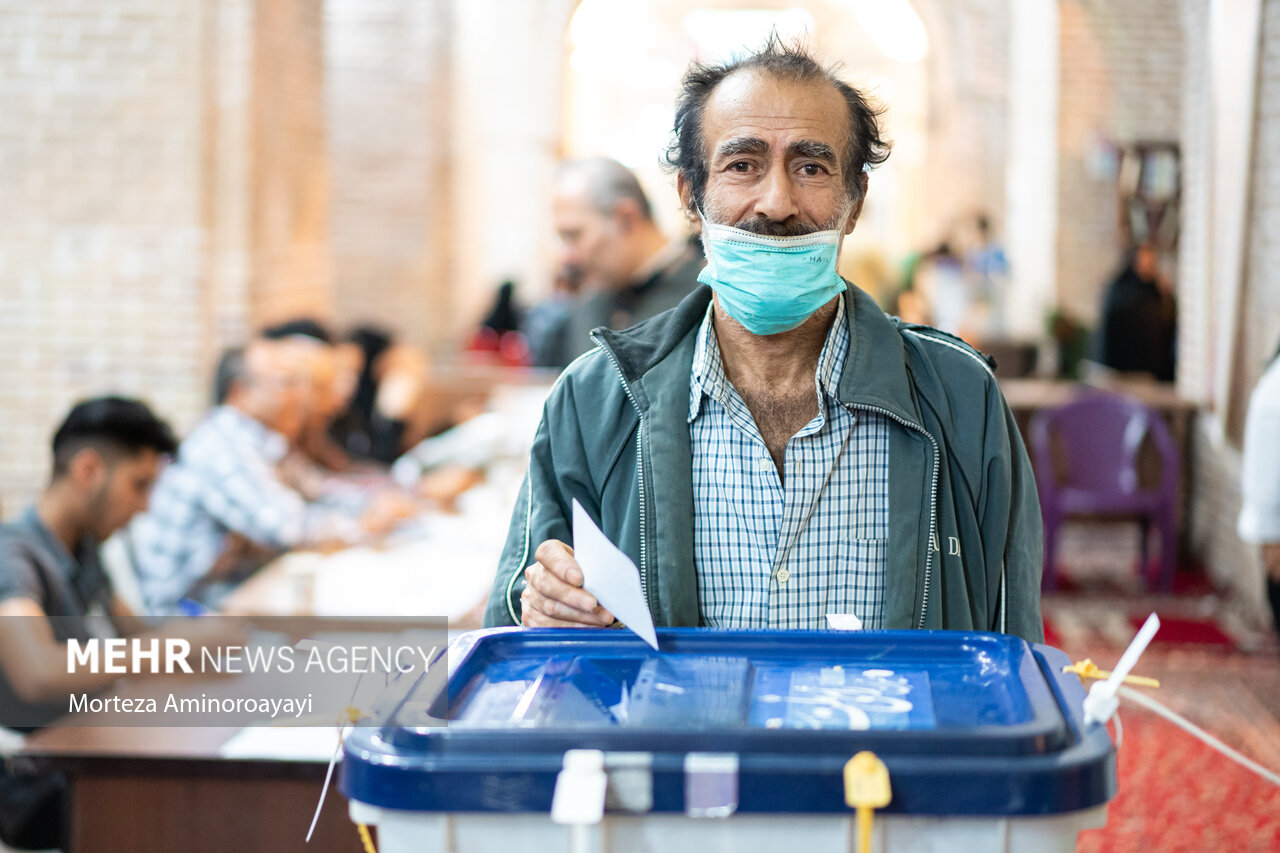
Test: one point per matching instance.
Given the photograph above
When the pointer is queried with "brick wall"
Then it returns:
(1260, 320)
(292, 266)
(968, 112)
(1193, 290)
(1121, 65)
(166, 192)
(101, 245)
(1216, 474)
(387, 101)
(505, 139)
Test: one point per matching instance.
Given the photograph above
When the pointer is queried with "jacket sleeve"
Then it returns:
(1013, 532)
(541, 512)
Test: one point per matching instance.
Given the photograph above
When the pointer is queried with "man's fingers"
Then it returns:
(531, 617)
(557, 598)
(558, 559)
(540, 609)
(552, 584)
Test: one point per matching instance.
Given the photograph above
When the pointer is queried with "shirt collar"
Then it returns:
(708, 378)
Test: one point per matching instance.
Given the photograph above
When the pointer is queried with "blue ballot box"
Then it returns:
(733, 740)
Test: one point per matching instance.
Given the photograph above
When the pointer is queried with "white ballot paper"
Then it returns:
(610, 576)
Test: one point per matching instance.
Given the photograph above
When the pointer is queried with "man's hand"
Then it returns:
(386, 511)
(239, 554)
(444, 486)
(553, 595)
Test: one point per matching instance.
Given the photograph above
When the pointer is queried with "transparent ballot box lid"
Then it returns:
(967, 723)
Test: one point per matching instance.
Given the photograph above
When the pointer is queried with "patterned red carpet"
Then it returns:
(1175, 793)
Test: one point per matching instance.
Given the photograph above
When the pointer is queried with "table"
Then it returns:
(441, 574)
(137, 790)
(439, 568)
(1028, 395)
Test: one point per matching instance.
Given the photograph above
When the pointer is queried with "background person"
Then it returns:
(629, 270)
(1139, 327)
(222, 508)
(333, 382)
(1259, 521)
(53, 588)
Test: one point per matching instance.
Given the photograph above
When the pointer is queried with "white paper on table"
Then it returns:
(610, 576)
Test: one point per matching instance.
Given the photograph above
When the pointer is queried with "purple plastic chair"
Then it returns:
(1099, 436)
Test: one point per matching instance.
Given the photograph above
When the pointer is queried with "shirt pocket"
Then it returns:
(855, 580)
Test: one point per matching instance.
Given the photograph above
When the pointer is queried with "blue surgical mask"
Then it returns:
(770, 284)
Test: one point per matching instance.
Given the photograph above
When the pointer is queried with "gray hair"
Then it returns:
(607, 182)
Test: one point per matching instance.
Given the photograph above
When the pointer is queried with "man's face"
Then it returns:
(775, 153)
(591, 241)
(121, 490)
(277, 387)
(1146, 263)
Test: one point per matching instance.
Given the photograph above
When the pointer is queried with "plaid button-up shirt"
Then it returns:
(785, 553)
(223, 481)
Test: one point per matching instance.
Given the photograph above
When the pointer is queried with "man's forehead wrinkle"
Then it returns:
(736, 106)
(774, 122)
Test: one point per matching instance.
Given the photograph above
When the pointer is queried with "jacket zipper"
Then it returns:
(644, 535)
(933, 500)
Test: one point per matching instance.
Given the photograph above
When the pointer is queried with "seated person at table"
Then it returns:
(629, 270)
(776, 449)
(221, 509)
(334, 369)
(53, 587)
(384, 417)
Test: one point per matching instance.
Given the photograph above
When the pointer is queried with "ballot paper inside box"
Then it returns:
(969, 724)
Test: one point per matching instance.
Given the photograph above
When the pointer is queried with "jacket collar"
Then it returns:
(875, 370)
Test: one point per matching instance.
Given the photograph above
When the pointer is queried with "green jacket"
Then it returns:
(964, 520)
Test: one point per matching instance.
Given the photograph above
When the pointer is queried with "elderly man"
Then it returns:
(222, 507)
(775, 450)
(630, 272)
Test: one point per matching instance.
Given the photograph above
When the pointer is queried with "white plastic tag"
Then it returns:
(843, 622)
(580, 788)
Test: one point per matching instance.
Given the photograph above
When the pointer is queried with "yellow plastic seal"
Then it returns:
(1088, 669)
(866, 788)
